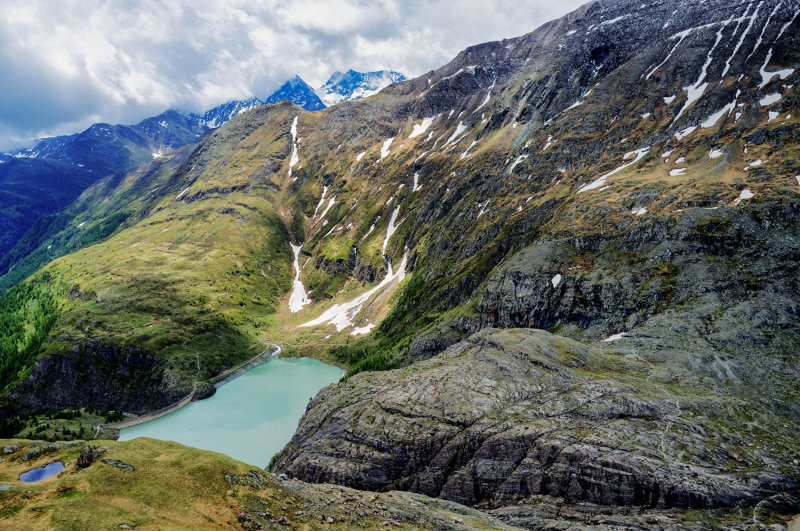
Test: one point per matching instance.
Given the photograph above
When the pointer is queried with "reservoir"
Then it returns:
(250, 418)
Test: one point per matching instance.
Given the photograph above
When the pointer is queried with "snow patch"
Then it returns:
(321, 201)
(390, 228)
(712, 120)
(556, 280)
(360, 156)
(676, 172)
(341, 315)
(298, 298)
(680, 36)
(741, 39)
(517, 161)
(769, 99)
(483, 209)
(766, 77)
(669, 99)
(385, 148)
(680, 135)
(715, 154)
(460, 128)
(417, 186)
(696, 91)
(321, 216)
(362, 330)
(614, 337)
(466, 153)
(639, 211)
(421, 127)
(601, 181)
(295, 158)
(745, 194)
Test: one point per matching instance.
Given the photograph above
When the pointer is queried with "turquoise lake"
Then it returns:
(250, 418)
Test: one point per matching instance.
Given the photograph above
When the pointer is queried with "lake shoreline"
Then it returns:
(253, 363)
(231, 375)
(252, 418)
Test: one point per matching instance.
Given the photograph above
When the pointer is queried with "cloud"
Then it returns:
(70, 64)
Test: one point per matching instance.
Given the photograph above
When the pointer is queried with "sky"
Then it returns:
(65, 65)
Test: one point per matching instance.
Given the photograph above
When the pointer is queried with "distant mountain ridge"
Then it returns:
(76, 161)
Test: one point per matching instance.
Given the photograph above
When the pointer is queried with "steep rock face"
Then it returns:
(105, 376)
(607, 283)
(508, 414)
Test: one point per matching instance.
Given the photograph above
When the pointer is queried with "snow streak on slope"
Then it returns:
(390, 229)
(322, 216)
(764, 29)
(681, 36)
(321, 201)
(601, 181)
(298, 298)
(741, 39)
(342, 315)
(766, 77)
(696, 91)
(417, 186)
(295, 158)
(385, 148)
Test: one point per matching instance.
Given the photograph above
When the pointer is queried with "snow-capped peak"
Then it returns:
(352, 85)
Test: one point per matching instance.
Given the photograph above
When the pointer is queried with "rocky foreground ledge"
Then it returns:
(514, 417)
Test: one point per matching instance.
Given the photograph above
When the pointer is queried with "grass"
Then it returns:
(178, 487)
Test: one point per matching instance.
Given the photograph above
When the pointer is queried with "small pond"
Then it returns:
(43, 472)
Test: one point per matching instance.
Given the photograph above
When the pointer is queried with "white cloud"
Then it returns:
(68, 64)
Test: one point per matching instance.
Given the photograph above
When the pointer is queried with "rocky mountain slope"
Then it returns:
(39, 181)
(628, 173)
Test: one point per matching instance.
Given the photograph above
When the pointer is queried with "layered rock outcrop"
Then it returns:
(507, 414)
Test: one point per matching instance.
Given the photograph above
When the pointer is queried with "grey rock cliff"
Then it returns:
(507, 414)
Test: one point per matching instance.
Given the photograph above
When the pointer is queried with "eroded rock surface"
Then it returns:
(507, 414)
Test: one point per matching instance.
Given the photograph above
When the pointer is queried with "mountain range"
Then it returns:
(561, 271)
(38, 181)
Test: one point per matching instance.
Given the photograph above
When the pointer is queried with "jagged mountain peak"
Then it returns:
(353, 85)
(298, 92)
